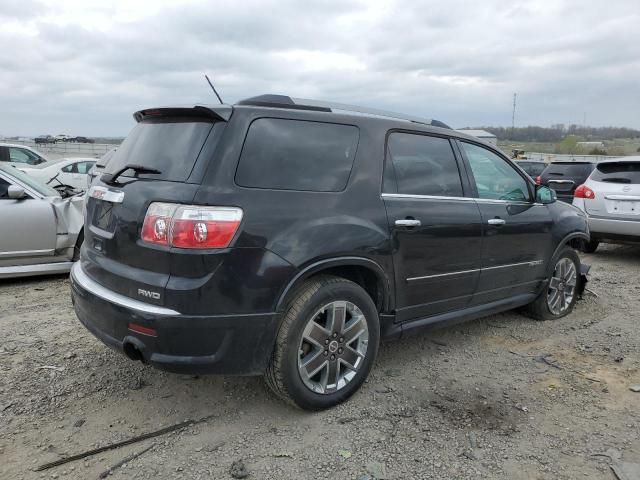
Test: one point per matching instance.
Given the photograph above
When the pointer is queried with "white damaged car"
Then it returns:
(41, 231)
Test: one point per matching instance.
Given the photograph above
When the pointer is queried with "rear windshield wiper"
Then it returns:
(111, 178)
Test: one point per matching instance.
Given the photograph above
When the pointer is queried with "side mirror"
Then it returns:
(545, 195)
(14, 192)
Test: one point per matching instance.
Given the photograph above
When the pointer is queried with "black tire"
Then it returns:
(539, 309)
(282, 375)
(590, 246)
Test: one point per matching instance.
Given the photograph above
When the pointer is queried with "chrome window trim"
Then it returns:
(532, 263)
(461, 199)
(83, 280)
(426, 197)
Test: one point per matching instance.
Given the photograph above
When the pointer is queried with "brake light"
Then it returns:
(584, 192)
(190, 226)
(538, 180)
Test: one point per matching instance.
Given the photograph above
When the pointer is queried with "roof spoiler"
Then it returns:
(219, 113)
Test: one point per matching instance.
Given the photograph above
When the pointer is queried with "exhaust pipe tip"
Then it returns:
(133, 349)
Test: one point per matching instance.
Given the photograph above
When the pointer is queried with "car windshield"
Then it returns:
(34, 184)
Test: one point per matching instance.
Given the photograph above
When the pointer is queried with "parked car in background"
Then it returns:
(80, 140)
(564, 177)
(41, 231)
(533, 167)
(20, 156)
(45, 139)
(99, 166)
(286, 238)
(611, 199)
(66, 172)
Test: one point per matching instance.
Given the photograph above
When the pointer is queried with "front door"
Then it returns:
(29, 228)
(517, 230)
(435, 229)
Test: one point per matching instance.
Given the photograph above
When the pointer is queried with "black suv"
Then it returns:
(287, 238)
(565, 177)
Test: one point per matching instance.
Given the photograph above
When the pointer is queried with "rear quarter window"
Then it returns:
(297, 155)
(617, 172)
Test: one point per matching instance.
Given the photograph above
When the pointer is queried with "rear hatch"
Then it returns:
(617, 190)
(564, 177)
(175, 143)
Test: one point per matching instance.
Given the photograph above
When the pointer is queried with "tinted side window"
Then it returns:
(423, 165)
(69, 168)
(19, 155)
(297, 155)
(84, 167)
(495, 178)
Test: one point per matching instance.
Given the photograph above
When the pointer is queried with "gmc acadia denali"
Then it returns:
(287, 238)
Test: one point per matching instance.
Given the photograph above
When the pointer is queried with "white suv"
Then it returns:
(611, 199)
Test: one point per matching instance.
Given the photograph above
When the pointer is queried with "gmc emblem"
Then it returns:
(148, 294)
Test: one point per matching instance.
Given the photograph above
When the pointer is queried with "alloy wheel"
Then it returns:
(333, 347)
(562, 286)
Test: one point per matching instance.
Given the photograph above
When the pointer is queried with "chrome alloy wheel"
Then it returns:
(562, 286)
(333, 347)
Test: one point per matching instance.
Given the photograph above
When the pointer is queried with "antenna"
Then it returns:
(513, 116)
(214, 89)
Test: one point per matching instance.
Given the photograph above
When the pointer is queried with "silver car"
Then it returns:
(611, 199)
(41, 231)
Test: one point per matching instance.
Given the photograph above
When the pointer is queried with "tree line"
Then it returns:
(556, 133)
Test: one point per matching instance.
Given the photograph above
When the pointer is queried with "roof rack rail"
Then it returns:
(284, 101)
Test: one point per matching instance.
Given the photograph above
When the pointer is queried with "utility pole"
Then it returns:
(513, 117)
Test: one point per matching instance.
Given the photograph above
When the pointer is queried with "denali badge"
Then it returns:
(149, 294)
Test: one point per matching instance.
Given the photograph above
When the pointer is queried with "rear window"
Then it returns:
(169, 145)
(617, 172)
(297, 155)
(569, 170)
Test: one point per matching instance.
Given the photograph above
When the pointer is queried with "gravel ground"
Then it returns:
(503, 397)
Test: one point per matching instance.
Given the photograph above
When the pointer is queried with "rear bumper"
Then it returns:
(223, 344)
(602, 228)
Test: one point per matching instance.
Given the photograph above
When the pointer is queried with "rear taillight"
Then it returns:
(190, 226)
(538, 180)
(584, 192)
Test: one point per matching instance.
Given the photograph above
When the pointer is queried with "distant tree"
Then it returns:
(638, 150)
(557, 132)
(569, 145)
(597, 151)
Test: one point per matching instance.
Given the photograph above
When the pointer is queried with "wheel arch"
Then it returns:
(572, 240)
(365, 272)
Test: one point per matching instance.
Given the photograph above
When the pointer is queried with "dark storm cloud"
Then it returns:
(65, 70)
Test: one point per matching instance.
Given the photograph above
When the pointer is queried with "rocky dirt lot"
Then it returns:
(504, 397)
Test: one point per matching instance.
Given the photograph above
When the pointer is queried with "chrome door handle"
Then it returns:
(496, 221)
(408, 222)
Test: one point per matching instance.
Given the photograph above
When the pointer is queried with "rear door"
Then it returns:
(435, 228)
(617, 190)
(176, 143)
(516, 231)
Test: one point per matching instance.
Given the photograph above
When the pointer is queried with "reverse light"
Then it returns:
(538, 180)
(584, 192)
(190, 226)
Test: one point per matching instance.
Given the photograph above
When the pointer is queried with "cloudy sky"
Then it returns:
(82, 67)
